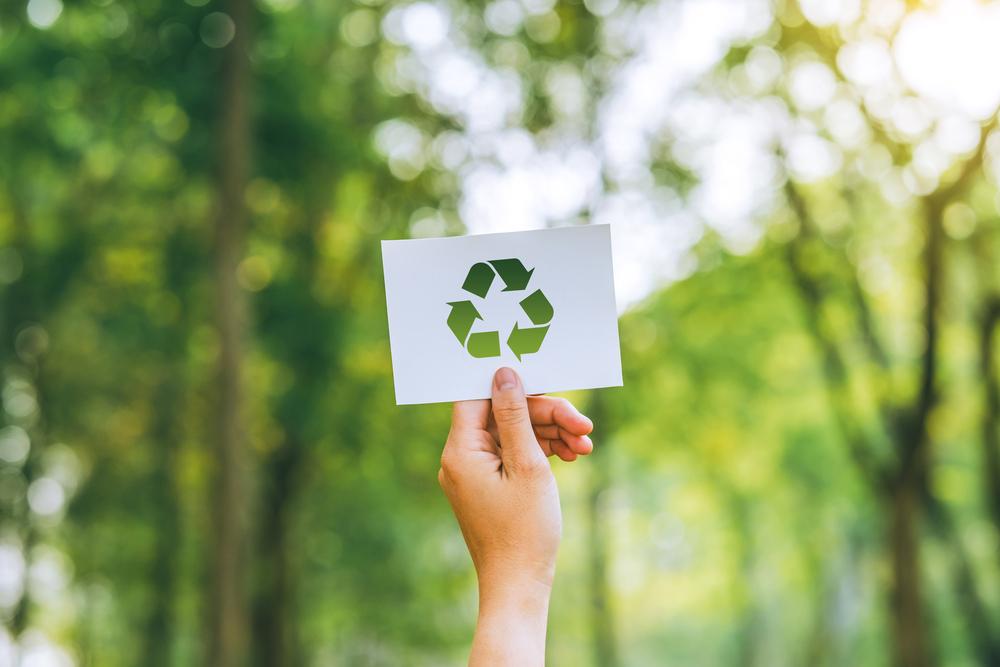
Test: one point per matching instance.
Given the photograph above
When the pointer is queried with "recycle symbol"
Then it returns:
(463, 315)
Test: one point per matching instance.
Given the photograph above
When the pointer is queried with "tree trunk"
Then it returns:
(22, 303)
(978, 623)
(911, 639)
(227, 625)
(274, 642)
(748, 645)
(602, 621)
(159, 634)
(991, 411)
(909, 631)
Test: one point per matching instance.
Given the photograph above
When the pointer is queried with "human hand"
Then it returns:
(500, 486)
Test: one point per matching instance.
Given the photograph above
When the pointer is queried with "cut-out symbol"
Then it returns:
(515, 278)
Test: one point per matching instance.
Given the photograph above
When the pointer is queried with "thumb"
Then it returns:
(519, 449)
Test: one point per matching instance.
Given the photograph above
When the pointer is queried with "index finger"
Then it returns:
(545, 410)
(467, 415)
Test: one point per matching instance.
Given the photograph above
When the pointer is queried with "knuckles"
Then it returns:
(509, 415)
(533, 468)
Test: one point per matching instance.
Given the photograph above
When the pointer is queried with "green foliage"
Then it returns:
(725, 517)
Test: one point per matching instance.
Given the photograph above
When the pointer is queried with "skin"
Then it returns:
(497, 478)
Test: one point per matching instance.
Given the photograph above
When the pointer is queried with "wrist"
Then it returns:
(506, 572)
(525, 596)
(512, 623)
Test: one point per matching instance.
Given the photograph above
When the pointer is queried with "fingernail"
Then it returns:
(505, 378)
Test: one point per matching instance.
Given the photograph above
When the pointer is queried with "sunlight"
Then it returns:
(949, 56)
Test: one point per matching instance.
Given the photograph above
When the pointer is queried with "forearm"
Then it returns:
(511, 625)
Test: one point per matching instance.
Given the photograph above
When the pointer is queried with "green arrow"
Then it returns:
(537, 307)
(461, 318)
(526, 341)
(513, 273)
(484, 344)
(479, 279)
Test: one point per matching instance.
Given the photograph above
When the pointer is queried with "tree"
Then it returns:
(899, 480)
(229, 630)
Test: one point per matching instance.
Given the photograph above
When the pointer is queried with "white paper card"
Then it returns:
(541, 302)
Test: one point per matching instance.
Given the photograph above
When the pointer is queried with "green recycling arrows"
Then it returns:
(484, 344)
(461, 318)
(526, 341)
(512, 273)
(515, 277)
(479, 280)
(537, 307)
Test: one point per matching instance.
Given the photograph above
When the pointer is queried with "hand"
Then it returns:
(501, 488)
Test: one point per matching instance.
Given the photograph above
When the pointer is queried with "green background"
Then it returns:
(201, 461)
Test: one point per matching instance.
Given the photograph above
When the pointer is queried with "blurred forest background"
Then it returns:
(200, 457)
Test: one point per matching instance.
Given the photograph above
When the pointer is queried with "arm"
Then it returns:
(500, 485)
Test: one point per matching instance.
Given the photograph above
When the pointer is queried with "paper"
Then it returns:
(541, 302)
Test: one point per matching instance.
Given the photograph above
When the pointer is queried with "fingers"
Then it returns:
(518, 446)
(466, 415)
(558, 411)
(557, 448)
(554, 441)
(577, 444)
(559, 428)
(468, 423)
(562, 426)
